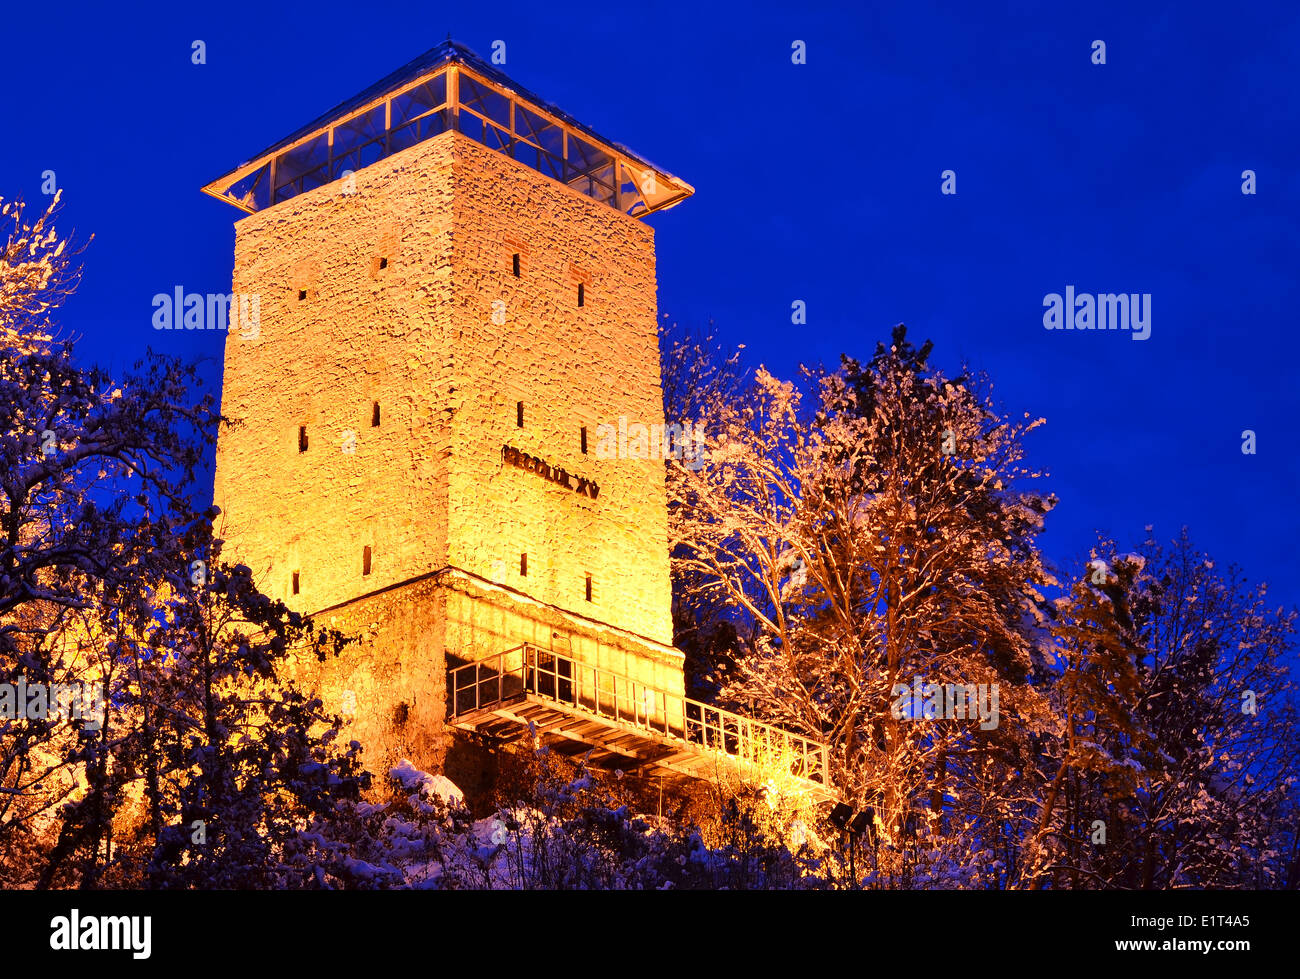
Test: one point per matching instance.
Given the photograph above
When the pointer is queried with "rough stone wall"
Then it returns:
(428, 489)
(571, 366)
(390, 685)
(363, 335)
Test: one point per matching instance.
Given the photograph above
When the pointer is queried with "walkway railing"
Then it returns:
(548, 675)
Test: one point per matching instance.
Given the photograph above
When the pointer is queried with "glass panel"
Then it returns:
(628, 191)
(432, 125)
(254, 190)
(295, 162)
(584, 157)
(603, 179)
(484, 101)
(471, 125)
(581, 184)
(316, 178)
(527, 155)
(417, 101)
(284, 192)
(348, 161)
(497, 139)
(372, 152)
(401, 138)
(537, 130)
(552, 166)
(353, 133)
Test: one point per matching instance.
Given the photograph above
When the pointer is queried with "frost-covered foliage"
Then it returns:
(38, 271)
(869, 527)
(236, 748)
(873, 525)
(1181, 729)
(697, 376)
(876, 528)
(92, 470)
(205, 759)
(570, 834)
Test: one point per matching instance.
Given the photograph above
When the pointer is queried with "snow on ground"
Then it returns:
(434, 786)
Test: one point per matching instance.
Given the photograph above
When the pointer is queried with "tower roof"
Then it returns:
(450, 87)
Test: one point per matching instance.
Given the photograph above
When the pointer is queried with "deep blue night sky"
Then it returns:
(818, 182)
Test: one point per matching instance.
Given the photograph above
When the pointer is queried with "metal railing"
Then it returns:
(547, 675)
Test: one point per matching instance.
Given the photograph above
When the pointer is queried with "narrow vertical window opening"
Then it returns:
(374, 415)
(582, 294)
(514, 260)
(302, 438)
(519, 414)
(295, 582)
(583, 432)
(588, 587)
(365, 560)
(523, 565)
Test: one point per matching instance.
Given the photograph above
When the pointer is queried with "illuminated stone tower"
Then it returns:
(455, 290)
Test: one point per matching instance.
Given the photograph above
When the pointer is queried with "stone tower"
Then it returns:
(454, 292)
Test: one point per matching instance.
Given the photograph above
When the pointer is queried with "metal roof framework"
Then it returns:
(450, 88)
